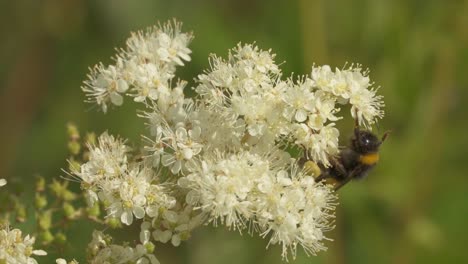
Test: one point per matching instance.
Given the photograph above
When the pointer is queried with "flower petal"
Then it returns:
(301, 115)
(139, 212)
(127, 217)
(122, 86)
(116, 99)
(39, 252)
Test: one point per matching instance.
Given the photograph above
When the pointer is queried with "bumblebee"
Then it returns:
(352, 162)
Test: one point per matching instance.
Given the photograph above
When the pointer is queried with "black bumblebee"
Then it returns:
(353, 162)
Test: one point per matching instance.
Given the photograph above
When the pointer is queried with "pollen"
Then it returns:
(311, 168)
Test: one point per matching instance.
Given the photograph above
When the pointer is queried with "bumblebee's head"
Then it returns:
(365, 142)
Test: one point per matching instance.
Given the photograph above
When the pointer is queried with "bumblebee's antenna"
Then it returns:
(356, 123)
(356, 120)
(385, 136)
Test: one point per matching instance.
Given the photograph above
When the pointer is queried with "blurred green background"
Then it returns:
(412, 209)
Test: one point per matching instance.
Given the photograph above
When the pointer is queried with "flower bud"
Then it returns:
(74, 147)
(149, 247)
(90, 138)
(68, 210)
(60, 238)
(40, 184)
(113, 222)
(20, 210)
(72, 131)
(94, 210)
(68, 195)
(45, 220)
(40, 201)
(46, 237)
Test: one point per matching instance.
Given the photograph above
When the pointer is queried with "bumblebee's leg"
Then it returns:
(347, 179)
(337, 165)
(322, 177)
(305, 152)
(302, 160)
(341, 183)
(338, 171)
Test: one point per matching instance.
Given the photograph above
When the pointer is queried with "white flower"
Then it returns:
(173, 49)
(162, 236)
(3, 182)
(185, 146)
(188, 141)
(114, 254)
(146, 66)
(219, 132)
(222, 185)
(176, 225)
(164, 44)
(351, 85)
(15, 249)
(324, 110)
(319, 145)
(142, 254)
(367, 106)
(322, 77)
(101, 251)
(107, 161)
(258, 113)
(248, 70)
(171, 105)
(154, 148)
(99, 241)
(150, 81)
(242, 188)
(158, 200)
(300, 101)
(295, 211)
(126, 193)
(132, 197)
(105, 85)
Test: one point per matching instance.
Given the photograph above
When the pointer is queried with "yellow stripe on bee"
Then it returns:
(369, 159)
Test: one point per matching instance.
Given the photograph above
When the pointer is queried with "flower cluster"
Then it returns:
(16, 249)
(220, 157)
(244, 190)
(351, 86)
(128, 190)
(247, 87)
(145, 68)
